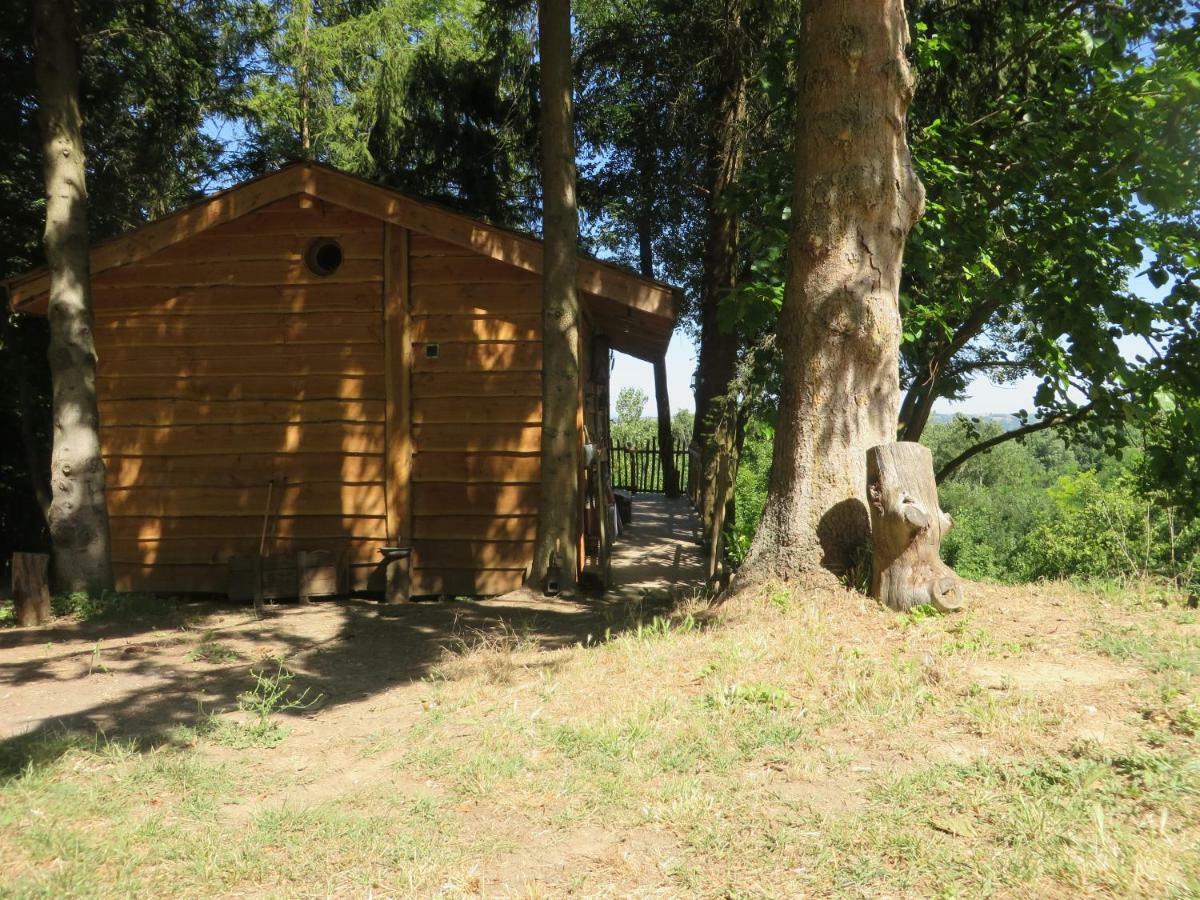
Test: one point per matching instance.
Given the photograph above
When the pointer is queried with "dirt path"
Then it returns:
(151, 674)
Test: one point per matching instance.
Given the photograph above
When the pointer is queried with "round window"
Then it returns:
(324, 256)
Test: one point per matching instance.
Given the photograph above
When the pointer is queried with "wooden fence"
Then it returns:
(638, 467)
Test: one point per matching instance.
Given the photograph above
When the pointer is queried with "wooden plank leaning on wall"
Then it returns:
(398, 405)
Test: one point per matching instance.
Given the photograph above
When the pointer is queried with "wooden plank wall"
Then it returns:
(224, 362)
(476, 414)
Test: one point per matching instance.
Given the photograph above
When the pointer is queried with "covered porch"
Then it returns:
(658, 554)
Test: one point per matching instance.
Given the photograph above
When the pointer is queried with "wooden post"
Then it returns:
(398, 366)
(907, 526)
(31, 593)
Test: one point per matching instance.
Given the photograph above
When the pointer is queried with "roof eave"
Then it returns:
(523, 251)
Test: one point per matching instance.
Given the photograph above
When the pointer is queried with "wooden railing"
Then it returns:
(638, 467)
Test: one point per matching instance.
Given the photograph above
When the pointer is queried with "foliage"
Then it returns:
(210, 650)
(1099, 529)
(1060, 239)
(631, 425)
(750, 488)
(1058, 147)
(683, 423)
(631, 403)
(431, 97)
(1040, 508)
(110, 605)
(1037, 508)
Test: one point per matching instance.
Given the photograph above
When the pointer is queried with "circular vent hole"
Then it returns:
(324, 256)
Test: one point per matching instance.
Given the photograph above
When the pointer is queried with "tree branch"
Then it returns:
(1049, 422)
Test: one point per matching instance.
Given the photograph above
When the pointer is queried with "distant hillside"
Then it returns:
(1007, 422)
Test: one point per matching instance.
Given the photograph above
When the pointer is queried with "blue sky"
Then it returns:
(983, 397)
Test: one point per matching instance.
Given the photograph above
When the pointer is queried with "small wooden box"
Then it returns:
(277, 575)
(320, 574)
(280, 576)
(243, 579)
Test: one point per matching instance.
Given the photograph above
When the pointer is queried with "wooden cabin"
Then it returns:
(343, 366)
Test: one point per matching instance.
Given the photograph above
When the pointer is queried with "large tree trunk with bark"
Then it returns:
(856, 198)
(558, 511)
(716, 411)
(78, 516)
(907, 526)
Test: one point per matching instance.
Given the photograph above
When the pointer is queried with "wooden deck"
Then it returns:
(658, 552)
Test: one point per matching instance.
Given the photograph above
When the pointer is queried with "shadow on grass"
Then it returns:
(372, 648)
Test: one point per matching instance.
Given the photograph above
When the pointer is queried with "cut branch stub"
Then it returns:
(907, 527)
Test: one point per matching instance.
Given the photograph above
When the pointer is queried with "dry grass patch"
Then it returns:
(1044, 743)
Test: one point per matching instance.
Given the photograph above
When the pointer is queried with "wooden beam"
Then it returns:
(398, 386)
(515, 249)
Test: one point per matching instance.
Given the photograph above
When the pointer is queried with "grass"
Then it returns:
(271, 692)
(210, 650)
(112, 605)
(1044, 744)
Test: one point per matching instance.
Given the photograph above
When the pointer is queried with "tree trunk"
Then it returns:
(856, 197)
(556, 547)
(717, 365)
(925, 389)
(31, 593)
(926, 394)
(78, 515)
(662, 400)
(666, 442)
(302, 82)
(35, 450)
(907, 526)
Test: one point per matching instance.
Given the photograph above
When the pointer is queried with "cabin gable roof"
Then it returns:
(637, 313)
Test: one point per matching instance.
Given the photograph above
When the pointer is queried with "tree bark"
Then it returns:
(856, 198)
(907, 526)
(35, 450)
(31, 593)
(662, 400)
(556, 548)
(666, 441)
(923, 393)
(302, 82)
(717, 365)
(78, 515)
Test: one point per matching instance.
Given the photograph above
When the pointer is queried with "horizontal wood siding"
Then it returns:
(225, 363)
(476, 414)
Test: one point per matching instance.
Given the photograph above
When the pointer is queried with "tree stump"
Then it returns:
(907, 526)
(31, 593)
